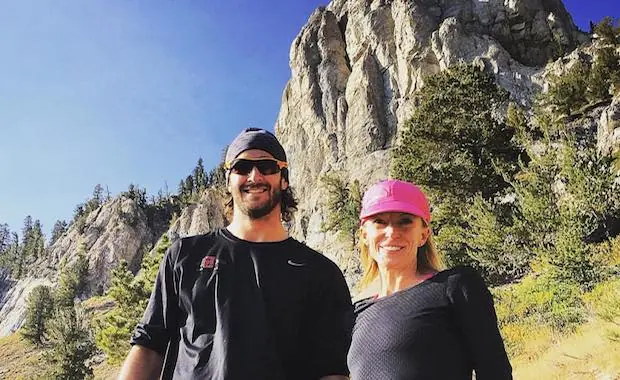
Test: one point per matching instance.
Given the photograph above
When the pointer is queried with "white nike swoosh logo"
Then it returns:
(291, 262)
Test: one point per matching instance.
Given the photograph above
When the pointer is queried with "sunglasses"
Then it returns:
(265, 166)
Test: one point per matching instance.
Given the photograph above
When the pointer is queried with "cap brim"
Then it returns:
(394, 206)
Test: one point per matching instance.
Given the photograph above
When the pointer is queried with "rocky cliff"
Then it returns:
(357, 63)
(119, 229)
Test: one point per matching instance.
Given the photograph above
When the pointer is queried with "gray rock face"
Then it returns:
(14, 302)
(608, 137)
(116, 230)
(356, 65)
(200, 218)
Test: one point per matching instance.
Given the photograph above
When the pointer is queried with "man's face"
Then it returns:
(255, 194)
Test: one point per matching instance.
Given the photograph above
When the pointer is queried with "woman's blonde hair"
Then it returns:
(428, 260)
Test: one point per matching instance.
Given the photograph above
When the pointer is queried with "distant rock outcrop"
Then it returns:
(118, 230)
(199, 218)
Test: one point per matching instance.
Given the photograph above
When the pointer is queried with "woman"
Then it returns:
(416, 320)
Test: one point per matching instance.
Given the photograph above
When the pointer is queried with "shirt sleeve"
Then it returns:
(475, 315)
(159, 322)
(331, 324)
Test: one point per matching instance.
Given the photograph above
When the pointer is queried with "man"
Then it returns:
(246, 301)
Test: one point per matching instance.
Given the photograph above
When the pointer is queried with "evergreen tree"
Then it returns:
(5, 237)
(5, 245)
(39, 310)
(60, 227)
(72, 282)
(71, 345)
(607, 31)
(454, 144)
(457, 149)
(217, 176)
(567, 92)
(131, 295)
(96, 200)
(137, 194)
(189, 186)
(36, 243)
(605, 73)
(343, 204)
(14, 254)
(200, 176)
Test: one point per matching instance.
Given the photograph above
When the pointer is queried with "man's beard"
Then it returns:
(261, 210)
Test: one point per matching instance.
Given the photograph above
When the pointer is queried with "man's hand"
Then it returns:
(141, 364)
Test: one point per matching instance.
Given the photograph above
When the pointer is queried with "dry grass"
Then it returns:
(105, 371)
(589, 353)
(19, 359)
(586, 354)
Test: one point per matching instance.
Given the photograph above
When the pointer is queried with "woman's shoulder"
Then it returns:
(464, 282)
(460, 273)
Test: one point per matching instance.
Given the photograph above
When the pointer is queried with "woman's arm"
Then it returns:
(476, 319)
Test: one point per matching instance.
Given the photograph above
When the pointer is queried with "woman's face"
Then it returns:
(393, 239)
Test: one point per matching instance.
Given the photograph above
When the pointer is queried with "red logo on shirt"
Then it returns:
(208, 262)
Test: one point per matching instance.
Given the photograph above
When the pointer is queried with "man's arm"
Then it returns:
(152, 335)
(330, 324)
(141, 364)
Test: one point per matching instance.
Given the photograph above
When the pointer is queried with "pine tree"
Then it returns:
(60, 227)
(131, 294)
(343, 205)
(14, 255)
(607, 31)
(189, 186)
(456, 148)
(567, 92)
(605, 73)
(37, 243)
(71, 345)
(72, 282)
(96, 199)
(39, 310)
(454, 144)
(200, 176)
(5, 244)
(217, 176)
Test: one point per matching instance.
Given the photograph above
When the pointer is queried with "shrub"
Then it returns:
(542, 301)
(604, 301)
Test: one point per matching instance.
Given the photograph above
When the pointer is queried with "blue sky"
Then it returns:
(114, 92)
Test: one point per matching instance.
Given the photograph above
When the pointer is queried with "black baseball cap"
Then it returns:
(255, 138)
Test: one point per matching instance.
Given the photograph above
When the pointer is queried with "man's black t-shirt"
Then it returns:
(442, 328)
(225, 308)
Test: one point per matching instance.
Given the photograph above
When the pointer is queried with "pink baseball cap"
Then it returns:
(395, 196)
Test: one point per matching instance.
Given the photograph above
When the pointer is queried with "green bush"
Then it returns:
(604, 301)
(541, 300)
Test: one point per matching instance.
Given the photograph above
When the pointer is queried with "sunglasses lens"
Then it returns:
(265, 167)
(242, 167)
